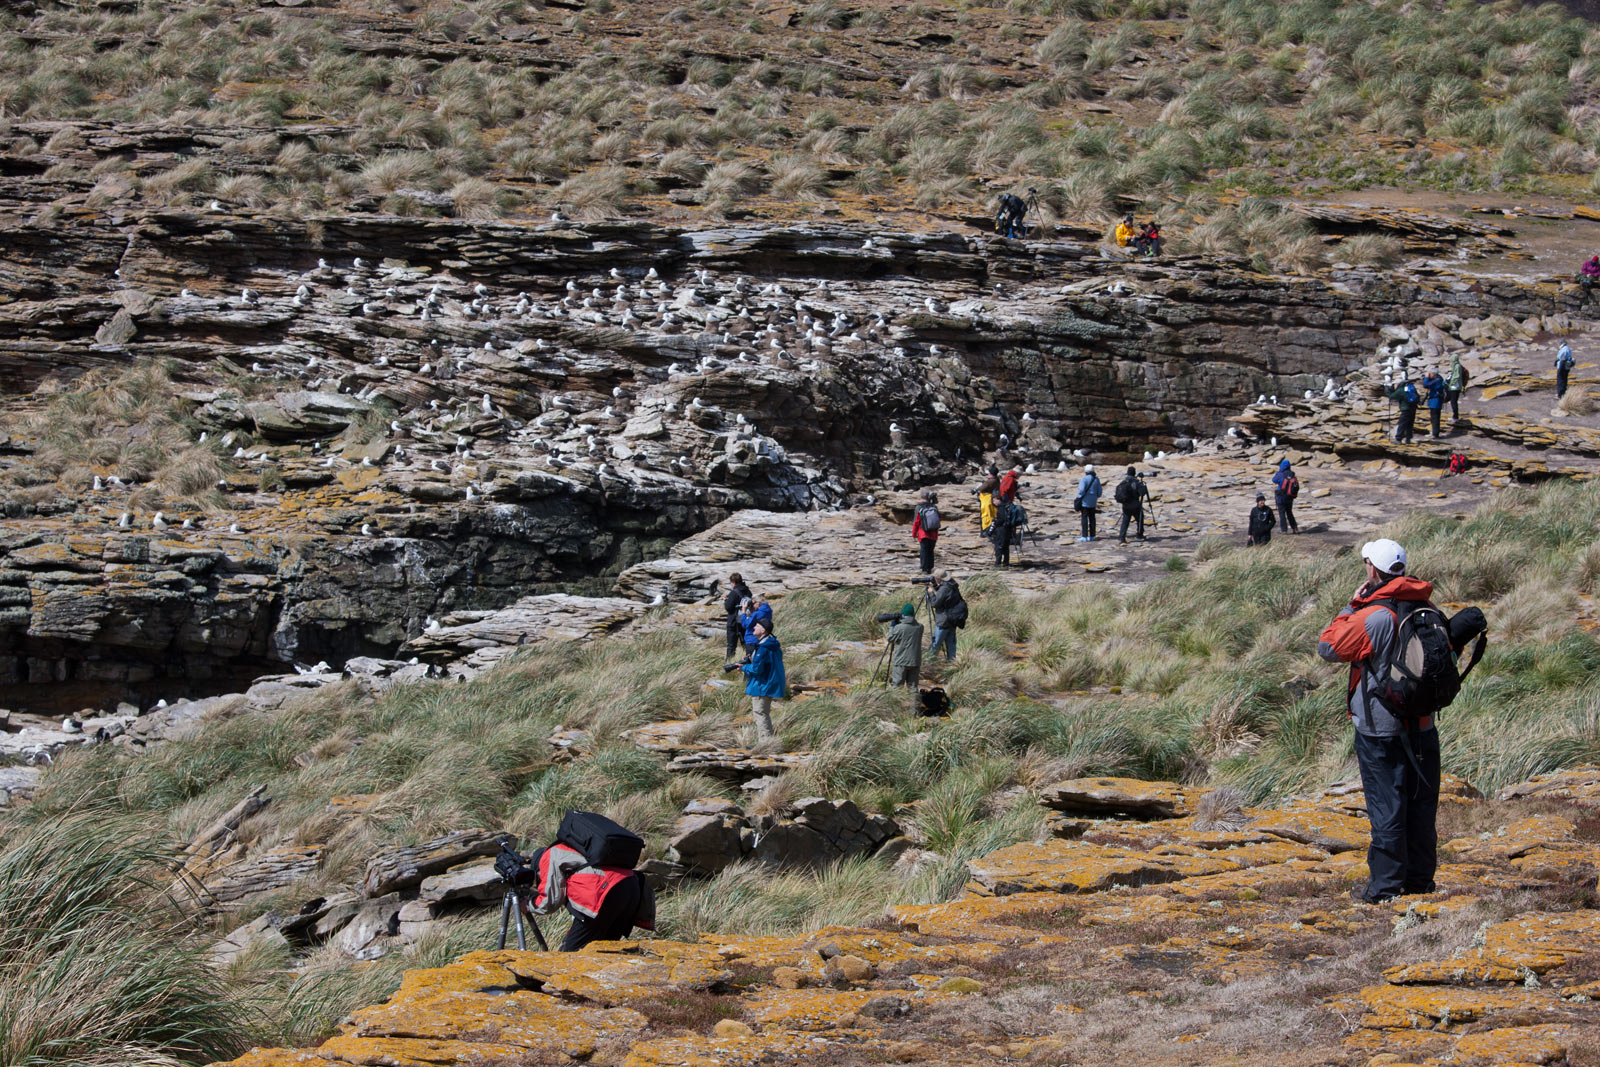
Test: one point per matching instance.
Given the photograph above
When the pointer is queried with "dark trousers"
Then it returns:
(1401, 805)
(925, 547)
(1561, 381)
(735, 638)
(1086, 521)
(1405, 429)
(1454, 396)
(1433, 418)
(615, 921)
(1137, 515)
(1286, 514)
(1001, 536)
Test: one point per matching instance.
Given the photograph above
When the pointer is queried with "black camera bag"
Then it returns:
(602, 842)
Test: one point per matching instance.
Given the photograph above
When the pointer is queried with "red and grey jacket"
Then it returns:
(563, 876)
(1361, 635)
(916, 525)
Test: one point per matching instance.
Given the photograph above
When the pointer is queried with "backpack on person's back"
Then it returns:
(1291, 487)
(1125, 493)
(1419, 675)
(929, 516)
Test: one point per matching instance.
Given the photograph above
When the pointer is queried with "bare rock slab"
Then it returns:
(1121, 796)
(405, 867)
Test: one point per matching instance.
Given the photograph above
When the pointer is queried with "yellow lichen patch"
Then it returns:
(280, 1057)
(1077, 867)
(608, 979)
(1172, 831)
(874, 946)
(526, 1020)
(1451, 972)
(1580, 785)
(988, 917)
(1331, 831)
(1294, 878)
(1229, 958)
(823, 1009)
(699, 1051)
(1393, 1007)
(409, 1052)
(1539, 942)
(1514, 840)
(1516, 1044)
(1163, 799)
(1574, 862)
(476, 972)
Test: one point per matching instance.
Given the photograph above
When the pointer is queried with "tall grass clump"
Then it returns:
(96, 965)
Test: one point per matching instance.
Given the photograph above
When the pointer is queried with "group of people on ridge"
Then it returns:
(1436, 391)
(750, 626)
(1131, 494)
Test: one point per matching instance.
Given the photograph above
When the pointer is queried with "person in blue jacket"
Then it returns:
(756, 609)
(765, 677)
(1433, 383)
(1089, 489)
(1285, 487)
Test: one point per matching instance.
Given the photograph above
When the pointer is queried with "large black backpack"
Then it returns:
(1419, 676)
(602, 842)
(1125, 493)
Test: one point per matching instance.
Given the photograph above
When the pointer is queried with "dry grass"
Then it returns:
(1577, 400)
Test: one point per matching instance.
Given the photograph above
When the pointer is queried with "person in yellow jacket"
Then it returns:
(986, 492)
(1126, 232)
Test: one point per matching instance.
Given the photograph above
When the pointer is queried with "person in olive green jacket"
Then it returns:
(905, 655)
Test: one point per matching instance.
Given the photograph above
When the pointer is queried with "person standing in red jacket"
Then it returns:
(1399, 763)
(925, 528)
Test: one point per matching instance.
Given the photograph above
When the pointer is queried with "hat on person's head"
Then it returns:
(908, 609)
(1088, 468)
(1133, 470)
(925, 494)
(1129, 218)
(765, 624)
(1283, 464)
(1261, 496)
(993, 469)
(1386, 555)
(941, 574)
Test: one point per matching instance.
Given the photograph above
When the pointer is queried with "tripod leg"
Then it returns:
(505, 919)
(522, 937)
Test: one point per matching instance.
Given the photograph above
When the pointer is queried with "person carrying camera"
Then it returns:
(905, 653)
(949, 613)
(605, 902)
(764, 676)
(1261, 521)
(755, 610)
(738, 593)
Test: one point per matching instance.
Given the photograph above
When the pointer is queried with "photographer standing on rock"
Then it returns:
(1131, 493)
(925, 528)
(1396, 749)
(738, 593)
(905, 653)
(949, 613)
(1087, 500)
(765, 677)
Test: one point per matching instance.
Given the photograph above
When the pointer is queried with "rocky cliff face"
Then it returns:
(420, 416)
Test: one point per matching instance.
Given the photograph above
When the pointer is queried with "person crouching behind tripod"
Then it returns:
(605, 903)
(905, 663)
(765, 677)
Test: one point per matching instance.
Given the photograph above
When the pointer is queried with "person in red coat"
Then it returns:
(605, 903)
(925, 528)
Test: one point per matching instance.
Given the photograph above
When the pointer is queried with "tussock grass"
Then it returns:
(126, 422)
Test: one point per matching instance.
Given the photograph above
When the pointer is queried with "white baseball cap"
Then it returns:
(1386, 555)
(1088, 468)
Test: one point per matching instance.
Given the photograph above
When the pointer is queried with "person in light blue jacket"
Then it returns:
(765, 677)
(1089, 489)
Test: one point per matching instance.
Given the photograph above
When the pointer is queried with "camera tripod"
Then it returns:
(514, 901)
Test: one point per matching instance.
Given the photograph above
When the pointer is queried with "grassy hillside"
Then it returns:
(845, 109)
(1208, 675)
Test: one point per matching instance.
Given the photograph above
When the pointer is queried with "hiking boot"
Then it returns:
(1361, 896)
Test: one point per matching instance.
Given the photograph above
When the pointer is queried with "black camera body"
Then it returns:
(727, 667)
(511, 865)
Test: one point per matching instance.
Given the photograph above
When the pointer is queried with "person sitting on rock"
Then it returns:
(1008, 218)
(1126, 232)
(1261, 522)
(765, 678)
(905, 654)
(1149, 240)
(738, 593)
(1589, 273)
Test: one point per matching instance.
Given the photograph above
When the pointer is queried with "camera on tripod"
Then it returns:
(890, 617)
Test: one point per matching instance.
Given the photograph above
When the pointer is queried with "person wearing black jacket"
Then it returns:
(1261, 521)
(949, 612)
(1131, 494)
(738, 593)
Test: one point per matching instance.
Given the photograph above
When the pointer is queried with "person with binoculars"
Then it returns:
(764, 676)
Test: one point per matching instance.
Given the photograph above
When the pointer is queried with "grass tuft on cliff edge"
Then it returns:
(1207, 675)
